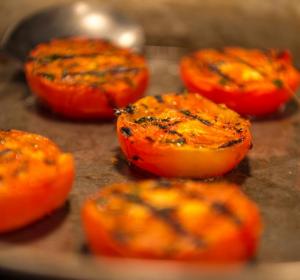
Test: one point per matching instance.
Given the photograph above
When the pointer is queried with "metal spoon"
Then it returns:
(76, 19)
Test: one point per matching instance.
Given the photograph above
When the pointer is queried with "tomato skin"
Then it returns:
(80, 102)
(257, 98)
(168, 162)
(185, 160)
(83, 98)
(224, 241)
(40, 188)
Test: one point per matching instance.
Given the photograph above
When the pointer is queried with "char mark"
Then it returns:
(223, 209)
(165, 215)
(174, 132)
(180, 141)
(215, 69)
(49, 161)
(238, 130)
(126, 131)
(159, 98)
(129, 109)
(163, 183)
(111, 71)
(154, 121)
(53, 57)
(195, 117)
(231, 143)
(149, 139)
(278, 83)
(5, 152)
(245, 62)
(145, 119)
(48, 76)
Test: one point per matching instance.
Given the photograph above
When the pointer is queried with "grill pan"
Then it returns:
(270, 175)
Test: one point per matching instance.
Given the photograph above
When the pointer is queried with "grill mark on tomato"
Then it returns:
(5, 152)
(48, 76)
(48, 161)
(174, 132)
(242, 61)
(129, 109)
(159, 98)
(111, 71)
(145, 119)
(238, 130)
(231, 143)
(22, 167)
(144, 105)
(195, 117)
(163, 183)
(118, 112)
(166, 129)
(278, 83)
(222, 209)
(53, 57)
(163, 124)
(180, 141)
(149, 139)
(267, 53)
(192, 194)
(215, 69)
(129, 81)
(165, 215)
(126, 131)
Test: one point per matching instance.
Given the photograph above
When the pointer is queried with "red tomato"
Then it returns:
(35, 178)
(195, 221)
(251, 82)
(85, 78)
(182, 136)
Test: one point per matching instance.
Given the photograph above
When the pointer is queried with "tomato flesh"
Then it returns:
(251, 82)
(182, 136)
(35, 178)
(85, 78)
(193, 221)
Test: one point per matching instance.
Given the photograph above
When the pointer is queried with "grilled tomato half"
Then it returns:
(182, 136)
(162, 219)
(85, 78)
(35, 178)
(249, 81)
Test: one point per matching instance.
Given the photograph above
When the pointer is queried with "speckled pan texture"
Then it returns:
(270, 174)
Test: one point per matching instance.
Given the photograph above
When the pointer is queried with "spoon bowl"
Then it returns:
(76, 19)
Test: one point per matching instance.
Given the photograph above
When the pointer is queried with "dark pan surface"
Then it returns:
(269, 175)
